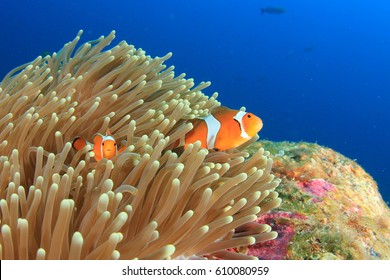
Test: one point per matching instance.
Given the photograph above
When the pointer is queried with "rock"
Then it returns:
(331, 207)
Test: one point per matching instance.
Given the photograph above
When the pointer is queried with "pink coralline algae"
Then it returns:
(316, 187)
(275, 249)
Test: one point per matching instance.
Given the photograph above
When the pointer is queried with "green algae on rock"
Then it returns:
(331, 208)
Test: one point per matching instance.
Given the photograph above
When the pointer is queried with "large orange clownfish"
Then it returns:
(104, 146)
(223, 129)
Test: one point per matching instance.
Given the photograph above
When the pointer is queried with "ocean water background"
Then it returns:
(320, 72)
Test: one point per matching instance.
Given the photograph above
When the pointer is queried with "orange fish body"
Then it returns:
(104, 146)
(224, 129)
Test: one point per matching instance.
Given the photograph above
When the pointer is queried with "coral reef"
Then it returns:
(331, 207)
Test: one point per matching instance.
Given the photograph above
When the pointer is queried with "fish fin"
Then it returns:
(98, 157)
(121, 149)
(79, 143)
(97, 146)
(98, 138)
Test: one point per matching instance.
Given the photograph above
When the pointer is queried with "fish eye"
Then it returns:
(249, 115)
(114, 144)
(103, 144)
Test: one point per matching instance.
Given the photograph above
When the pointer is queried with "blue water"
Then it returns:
(320, 72)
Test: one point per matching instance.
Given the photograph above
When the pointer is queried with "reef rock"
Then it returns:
(331, 207)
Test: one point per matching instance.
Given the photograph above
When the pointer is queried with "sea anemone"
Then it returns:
(149, 202)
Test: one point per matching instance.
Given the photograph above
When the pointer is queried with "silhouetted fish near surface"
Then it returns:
(273, 10)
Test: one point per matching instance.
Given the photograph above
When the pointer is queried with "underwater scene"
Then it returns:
(181, 129)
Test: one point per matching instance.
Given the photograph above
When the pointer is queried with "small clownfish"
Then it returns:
(103, 146)
(223, 129)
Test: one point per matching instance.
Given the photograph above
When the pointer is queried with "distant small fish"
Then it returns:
(273, 10)
(104, 146)
(223, 129)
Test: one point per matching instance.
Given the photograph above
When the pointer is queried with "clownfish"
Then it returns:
(223, 129)
(104, 146)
